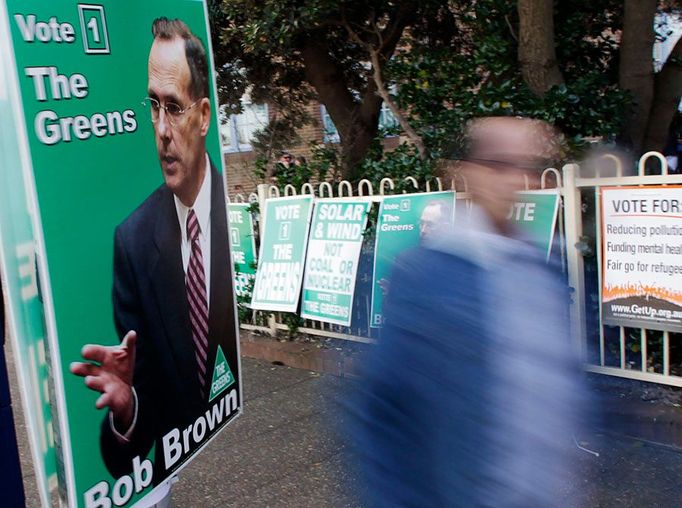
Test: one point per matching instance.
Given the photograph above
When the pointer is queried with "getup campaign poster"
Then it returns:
(331, 264)
(119, 150)
(243, 245)
(642, 257)
(404, 222)
(19, 282)
(282, 253)
(535, 213)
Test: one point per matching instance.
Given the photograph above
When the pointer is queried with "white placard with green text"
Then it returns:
(282, 253)
(332, 260)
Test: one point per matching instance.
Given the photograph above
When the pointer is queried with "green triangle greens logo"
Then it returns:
(222, 375)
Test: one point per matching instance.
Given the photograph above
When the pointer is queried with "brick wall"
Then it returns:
(240, 165)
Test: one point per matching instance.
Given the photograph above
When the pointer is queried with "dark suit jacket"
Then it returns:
(429, 423)
(149, 296)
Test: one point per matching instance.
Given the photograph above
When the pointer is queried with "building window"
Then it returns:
(238, 130)
(330, 133)
(387, 122)
(669, 29)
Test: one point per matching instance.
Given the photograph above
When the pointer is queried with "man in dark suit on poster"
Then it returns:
(172, 294)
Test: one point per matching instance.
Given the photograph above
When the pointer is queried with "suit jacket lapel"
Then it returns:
(168, 279)
(221, 281)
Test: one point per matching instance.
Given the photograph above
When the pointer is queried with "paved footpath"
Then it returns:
(283, 452)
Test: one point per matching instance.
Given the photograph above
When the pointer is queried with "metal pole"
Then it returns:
(262, 197)
(576, 276)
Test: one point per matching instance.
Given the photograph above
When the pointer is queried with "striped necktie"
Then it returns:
(195, 282)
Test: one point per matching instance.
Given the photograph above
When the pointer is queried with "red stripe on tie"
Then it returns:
(195, 282)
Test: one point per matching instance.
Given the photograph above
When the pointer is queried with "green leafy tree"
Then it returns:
(584, 65)
(289, 51)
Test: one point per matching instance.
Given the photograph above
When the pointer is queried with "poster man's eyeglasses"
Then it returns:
(174, 113)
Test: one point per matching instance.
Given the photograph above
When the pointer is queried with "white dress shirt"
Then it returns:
(202, 208)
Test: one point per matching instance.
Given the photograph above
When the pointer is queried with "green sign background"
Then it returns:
(243, 246)
(332, 259)
(535, 213)
(398, 231)
(87, 187)
(282, 253)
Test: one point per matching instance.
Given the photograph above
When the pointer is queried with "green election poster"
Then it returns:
(332, 259)
(404, 222)
(282, 253)
(243, 244)
(19, 283)
(122, 170)
(535, 212)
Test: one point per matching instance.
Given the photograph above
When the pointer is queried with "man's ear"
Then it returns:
(205, 109)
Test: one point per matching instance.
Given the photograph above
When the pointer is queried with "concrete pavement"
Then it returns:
(283, 452)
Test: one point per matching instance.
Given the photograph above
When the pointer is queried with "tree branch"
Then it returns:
(382, 91)
(387, 41)
(327, 78)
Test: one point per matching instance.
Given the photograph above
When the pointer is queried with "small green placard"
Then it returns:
(282, 253)
(535, 213)
(243, 247)
(222, 375)
(405, 220)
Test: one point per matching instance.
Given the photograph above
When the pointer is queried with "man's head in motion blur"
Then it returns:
(499, 155)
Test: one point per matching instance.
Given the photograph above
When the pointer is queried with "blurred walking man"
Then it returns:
(472, 396)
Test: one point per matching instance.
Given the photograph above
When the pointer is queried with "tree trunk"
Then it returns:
(356, 144)
(636, 72)
(667, 92)
(357, 122)
(537, 55)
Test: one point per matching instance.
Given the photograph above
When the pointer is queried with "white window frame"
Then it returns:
(232, 124)
(331, 134)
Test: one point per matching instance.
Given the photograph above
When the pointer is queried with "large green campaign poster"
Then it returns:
(19, 282)
(243, 245)
(535, 213)
(119, 151)
(404, 222)
(331, 264)
(282, 253)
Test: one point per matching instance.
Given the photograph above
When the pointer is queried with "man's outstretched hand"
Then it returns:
(112, 376)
